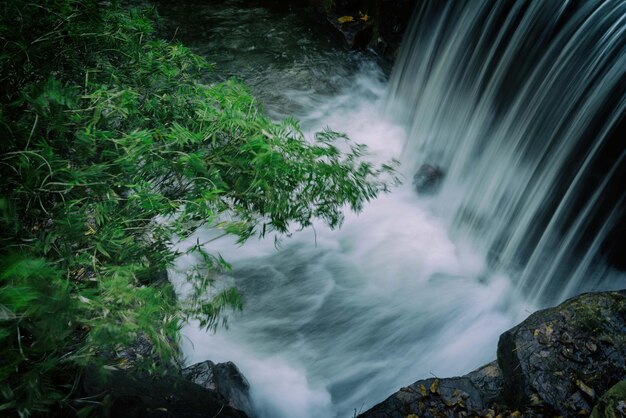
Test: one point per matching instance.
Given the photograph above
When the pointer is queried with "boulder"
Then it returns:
(427, 179)
(355, 31)
(558, 362)
(393, 20)
(225, 379)
(450, 397)
(387, 19)
(561, 359)
(125, 394)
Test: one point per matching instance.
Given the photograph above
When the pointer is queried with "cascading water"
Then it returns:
(521, 104)
(518, 102)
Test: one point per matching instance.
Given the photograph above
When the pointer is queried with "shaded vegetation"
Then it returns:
(112, 151)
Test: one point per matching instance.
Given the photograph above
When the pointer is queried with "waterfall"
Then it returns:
(522, 105)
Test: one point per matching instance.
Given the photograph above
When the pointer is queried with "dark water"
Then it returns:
(278, 50)
(414, 286)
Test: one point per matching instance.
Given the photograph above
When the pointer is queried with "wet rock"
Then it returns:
(140, 354)
(387, 19)
(428, 179)
(613, 403)
(124, 394)
(555, 363)
(560, 358)
(451, 397)
(224, 378)
(488, 380)
(393, 21)
(356, 31)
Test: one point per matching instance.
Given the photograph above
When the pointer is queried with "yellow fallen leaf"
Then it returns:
(345, 19)
(586, 389)
(434, 387)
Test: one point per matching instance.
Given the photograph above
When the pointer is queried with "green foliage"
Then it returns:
(112, 152)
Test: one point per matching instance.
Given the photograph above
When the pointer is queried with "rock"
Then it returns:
(388, 19)
(224, 378)
(140, 350)
(124, 394)
(393, 20)
(555, 363)
(613, 403)
(428, 179)
(140, 354)
(488, 380)
(470, 394)
(356, 33)
(559, 359)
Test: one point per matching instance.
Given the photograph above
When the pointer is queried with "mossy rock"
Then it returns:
(561, 359)
(613, 403)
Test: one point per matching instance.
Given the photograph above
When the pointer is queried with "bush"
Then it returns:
(112, 151)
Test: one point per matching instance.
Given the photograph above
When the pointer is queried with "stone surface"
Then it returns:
(427, 179)
(561, 358)
(393, 21)
(613, 403)
(488, 380)
(226, 379)
(385, 25)
(124, 394)
(558, 362)
(449, 397)
(356, 34)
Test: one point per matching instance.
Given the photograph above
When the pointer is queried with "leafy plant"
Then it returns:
(112, 151)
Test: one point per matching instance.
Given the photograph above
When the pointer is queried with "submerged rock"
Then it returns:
(226, 379)
(428, 179)
(558, 362)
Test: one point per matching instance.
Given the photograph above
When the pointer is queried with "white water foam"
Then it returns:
(335, 321)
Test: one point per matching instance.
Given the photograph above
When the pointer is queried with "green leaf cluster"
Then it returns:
(113, 150)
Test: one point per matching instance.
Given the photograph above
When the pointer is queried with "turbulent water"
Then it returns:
(522, 104)
(515, 101)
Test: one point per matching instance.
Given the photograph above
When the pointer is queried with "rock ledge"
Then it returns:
(558, 362)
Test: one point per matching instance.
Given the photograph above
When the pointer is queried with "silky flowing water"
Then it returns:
(503, 97)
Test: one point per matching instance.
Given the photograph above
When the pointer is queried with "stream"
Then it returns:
(336, 321)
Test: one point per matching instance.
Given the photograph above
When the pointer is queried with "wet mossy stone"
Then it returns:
(556, 363)
(563, 358)
(613, 403)
(226, 379)
(470, 394)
